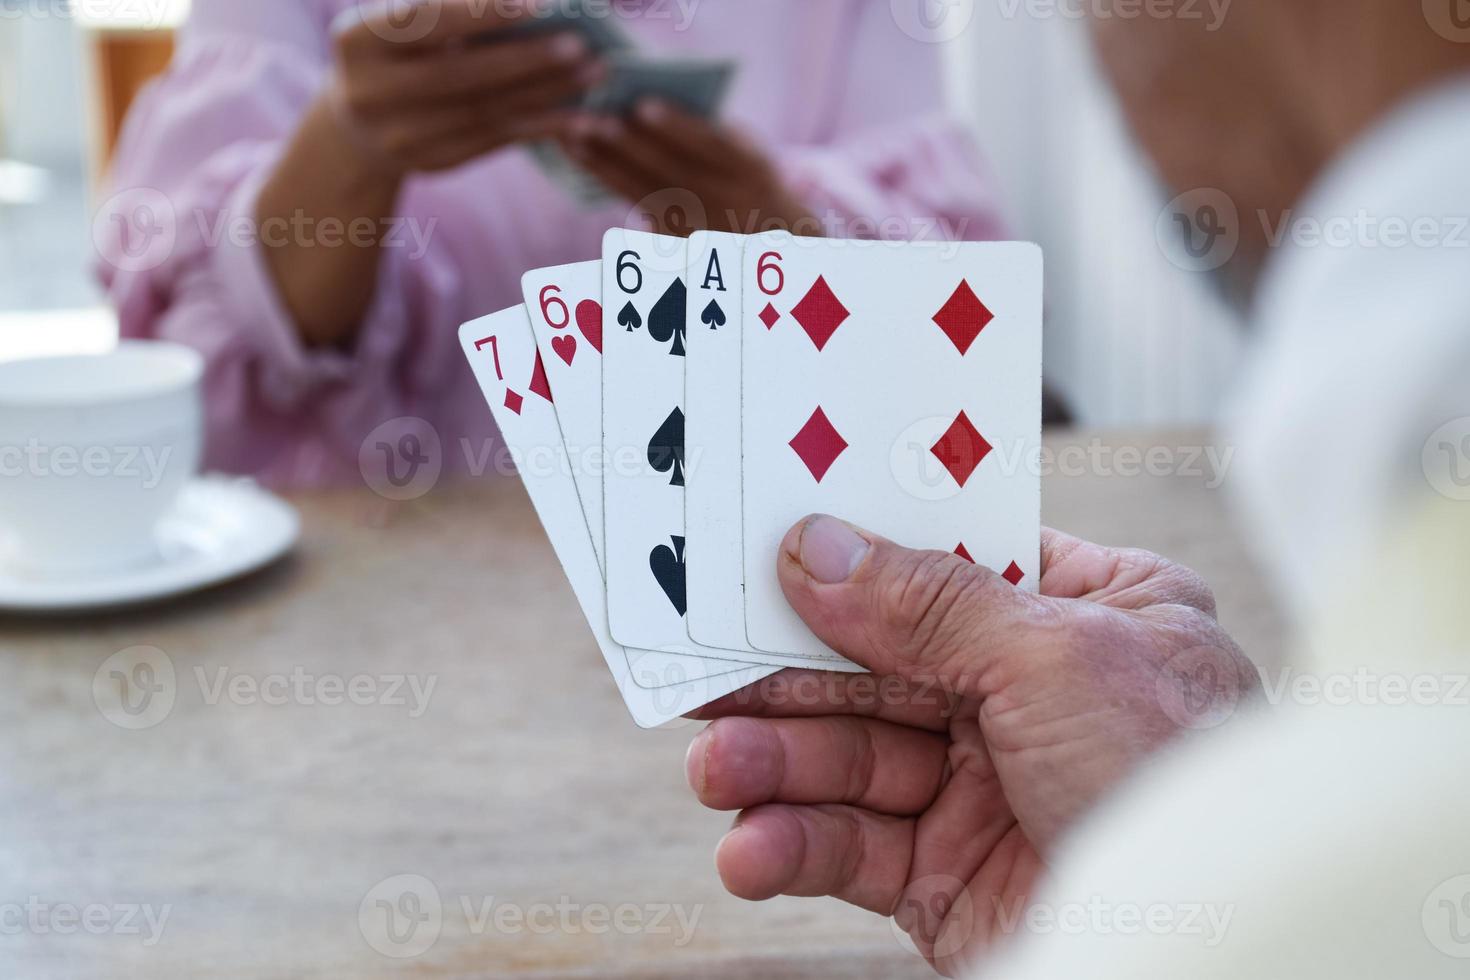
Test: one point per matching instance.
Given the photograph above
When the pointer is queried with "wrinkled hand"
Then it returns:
(933, 789)
(660, 147)
(456, 94)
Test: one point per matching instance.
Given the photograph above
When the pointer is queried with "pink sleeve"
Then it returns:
(180, 260)
(923, 180)
(890, 160)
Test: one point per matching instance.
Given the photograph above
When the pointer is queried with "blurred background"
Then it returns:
(1132, 340)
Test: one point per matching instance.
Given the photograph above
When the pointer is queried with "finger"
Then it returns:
(410, 133)
(611, 138)
(741, 762)
(1125, 578)
(918, 614)
(815, 693)
(619, 176)
(689, 137)
(560, 90)
(483, 73)
(478, 141)
(851, 854)
(419, 25)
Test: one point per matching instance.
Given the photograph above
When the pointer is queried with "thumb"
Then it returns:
(924, 615)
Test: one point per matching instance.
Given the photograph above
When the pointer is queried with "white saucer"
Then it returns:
(220, 528)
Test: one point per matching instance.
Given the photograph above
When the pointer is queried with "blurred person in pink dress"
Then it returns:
(336, 202)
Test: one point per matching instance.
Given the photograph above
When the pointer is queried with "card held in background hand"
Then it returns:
(502, 352)
(695, 85)
(598, 28)
(896, 386)
(565, 309)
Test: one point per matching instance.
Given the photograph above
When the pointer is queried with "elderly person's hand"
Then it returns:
(933, 789)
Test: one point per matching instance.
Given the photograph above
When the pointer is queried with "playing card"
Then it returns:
(712, 514)
(502, 352)
(643, 331)
(598, 28)
(565, 309)
(894, 385)
(697, 86)
(643, 437)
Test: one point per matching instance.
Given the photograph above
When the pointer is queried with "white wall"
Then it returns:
(1131, 339)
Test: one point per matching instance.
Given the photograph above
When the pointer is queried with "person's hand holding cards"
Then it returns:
(661, 144)
(673, 408)
(429, 96)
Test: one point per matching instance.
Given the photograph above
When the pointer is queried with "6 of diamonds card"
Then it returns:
(896, 386)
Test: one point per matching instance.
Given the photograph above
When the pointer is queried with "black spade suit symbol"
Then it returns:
(667, 565)
(666, 319)
(713, 317)
(628, 317)
(666, 448)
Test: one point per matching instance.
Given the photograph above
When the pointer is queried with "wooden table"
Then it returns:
(521, 787)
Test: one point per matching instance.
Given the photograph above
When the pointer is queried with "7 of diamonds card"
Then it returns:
(896, 386)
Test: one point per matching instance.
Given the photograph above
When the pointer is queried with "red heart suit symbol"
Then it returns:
(565, 347)
(589, 321)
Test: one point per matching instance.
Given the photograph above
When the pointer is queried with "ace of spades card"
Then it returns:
(712, 400)
(565, 310)
(644, 297)
(896, 386)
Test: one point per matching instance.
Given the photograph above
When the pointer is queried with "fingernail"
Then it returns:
(569, 47)
(582, 127)
(694, 761)
(651, 110)
(830, 550)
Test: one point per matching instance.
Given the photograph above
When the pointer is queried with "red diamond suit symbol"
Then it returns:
(961, 449)
(769, 316)
(818, 444)
(962, 317)
(820, 313)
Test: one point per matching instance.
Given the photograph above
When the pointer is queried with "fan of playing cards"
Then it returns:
(676, 407)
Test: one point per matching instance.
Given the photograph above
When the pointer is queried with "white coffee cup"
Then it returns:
(94, 450)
